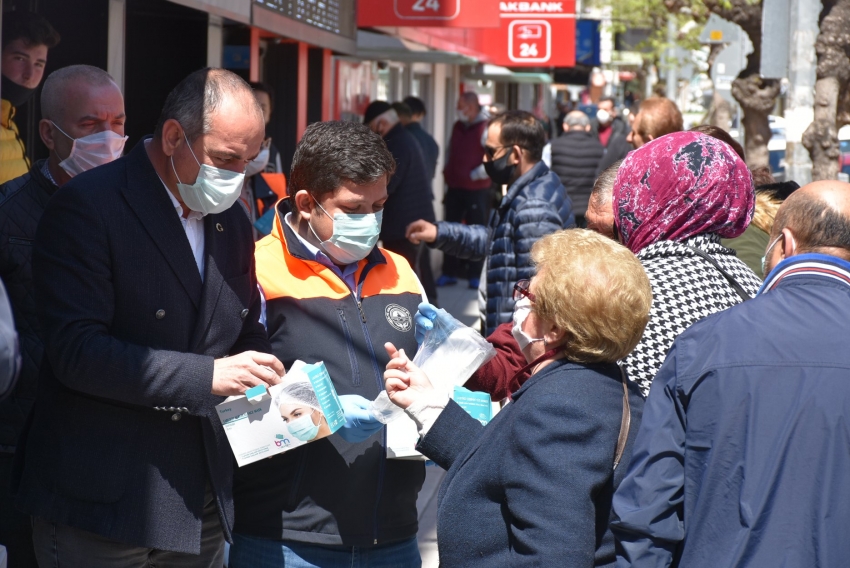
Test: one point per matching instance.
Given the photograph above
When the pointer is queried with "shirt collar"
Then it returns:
(193, 215)
(315, 253)
(45, 171)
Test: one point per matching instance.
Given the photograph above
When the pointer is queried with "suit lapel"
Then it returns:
(215, 255)
(147, 196)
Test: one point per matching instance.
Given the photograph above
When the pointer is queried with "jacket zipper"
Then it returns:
(349, 342)
(379, 377)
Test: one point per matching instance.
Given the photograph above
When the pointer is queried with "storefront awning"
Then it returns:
(380, 47)
(505, 75)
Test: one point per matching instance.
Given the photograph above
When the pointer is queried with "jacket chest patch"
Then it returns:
(398, 317)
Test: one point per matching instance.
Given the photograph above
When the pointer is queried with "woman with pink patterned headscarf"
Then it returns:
(674, 198)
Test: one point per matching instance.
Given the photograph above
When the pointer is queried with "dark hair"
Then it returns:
(332, 153)
(416, 105)
(264, 88)
(607, 100)
(195, 99)
(815, 224)
(722, 135)
(520, 128)
(402, 110)
(31, 28)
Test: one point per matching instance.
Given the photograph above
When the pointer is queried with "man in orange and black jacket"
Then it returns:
(331, 295)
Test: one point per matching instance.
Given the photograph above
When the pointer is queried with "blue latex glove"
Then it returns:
(359, 422)
(424, 320)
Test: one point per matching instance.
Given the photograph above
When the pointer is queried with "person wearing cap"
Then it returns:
(409, 190)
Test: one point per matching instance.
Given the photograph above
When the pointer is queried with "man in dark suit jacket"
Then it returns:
(149, 309)
(430, 148)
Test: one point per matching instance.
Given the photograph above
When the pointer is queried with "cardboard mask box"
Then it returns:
(302, 408)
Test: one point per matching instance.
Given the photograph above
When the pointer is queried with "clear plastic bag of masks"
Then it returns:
(449, 354)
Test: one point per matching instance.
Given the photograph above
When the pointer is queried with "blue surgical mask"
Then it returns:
(354, 236)
(766, 253)
(303, 428)
(214, 190)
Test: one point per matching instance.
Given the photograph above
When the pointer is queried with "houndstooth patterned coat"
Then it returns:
(685, 289)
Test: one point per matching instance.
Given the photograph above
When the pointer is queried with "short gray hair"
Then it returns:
(195, 99)
(53, 94)
(576, 118)
(603, 187)
(471, 97)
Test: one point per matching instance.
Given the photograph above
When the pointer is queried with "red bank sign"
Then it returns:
(533, 34)
(429, 13)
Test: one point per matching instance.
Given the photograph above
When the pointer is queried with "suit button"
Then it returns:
(160, 314)
(244, 313)
(176, 416)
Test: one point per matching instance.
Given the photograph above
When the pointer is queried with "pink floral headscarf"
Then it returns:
(681, 185)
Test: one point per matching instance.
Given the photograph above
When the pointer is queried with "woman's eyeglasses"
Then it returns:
(521, 290)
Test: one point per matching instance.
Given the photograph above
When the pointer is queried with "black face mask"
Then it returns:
(14, 93)
(499, 170)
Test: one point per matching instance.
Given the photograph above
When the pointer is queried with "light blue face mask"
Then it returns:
(214, 190)
(303, 428)
(354, 236)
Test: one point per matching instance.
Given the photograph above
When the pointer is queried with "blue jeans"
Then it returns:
(253, 552)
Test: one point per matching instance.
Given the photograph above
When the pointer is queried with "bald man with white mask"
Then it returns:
(87, 104)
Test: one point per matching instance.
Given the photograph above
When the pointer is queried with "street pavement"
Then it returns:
(462, 303)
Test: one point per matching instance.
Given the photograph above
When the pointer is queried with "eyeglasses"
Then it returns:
(521, 290)
(491, 152)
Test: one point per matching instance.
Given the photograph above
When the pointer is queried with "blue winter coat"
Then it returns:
(535, 205)
(743, 455)
(534, 487)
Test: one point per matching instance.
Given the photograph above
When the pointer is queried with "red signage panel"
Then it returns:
(429, 13)
(532, 34)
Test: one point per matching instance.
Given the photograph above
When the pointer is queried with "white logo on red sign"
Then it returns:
(529, 41)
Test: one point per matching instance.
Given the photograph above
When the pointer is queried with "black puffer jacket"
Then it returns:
(22, 201)
(535, 205)
(575, 156)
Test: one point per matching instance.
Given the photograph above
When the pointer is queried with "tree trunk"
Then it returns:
(821, 137)
(755, 95)
(720, 113)
(833, 75)
(757, 98)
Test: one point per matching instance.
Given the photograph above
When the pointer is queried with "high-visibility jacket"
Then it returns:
(13, 158)
(331, 492)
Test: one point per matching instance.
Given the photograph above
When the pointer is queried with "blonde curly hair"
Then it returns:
(593, 289)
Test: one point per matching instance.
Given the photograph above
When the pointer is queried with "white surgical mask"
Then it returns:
(766, 253)
(462, 117)
(521, 310)
(259, 163)
(603, 116)
(92, 151)
(354, 236)
(214, 190)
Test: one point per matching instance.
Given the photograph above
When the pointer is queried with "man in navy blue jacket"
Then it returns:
(535, 204)
(742, 457)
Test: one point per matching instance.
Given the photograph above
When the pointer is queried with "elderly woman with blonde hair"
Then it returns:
(534, 486)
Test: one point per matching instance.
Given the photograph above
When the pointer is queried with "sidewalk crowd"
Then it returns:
(668, 326)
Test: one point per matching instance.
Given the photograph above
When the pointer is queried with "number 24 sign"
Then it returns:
(429, 13)
(427, 9)
(529, 41)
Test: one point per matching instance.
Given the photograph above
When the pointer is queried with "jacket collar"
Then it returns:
(556, 366)
(147, 196)
(810, 265)
(707, 242)
(539, 170)
(42, 180)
